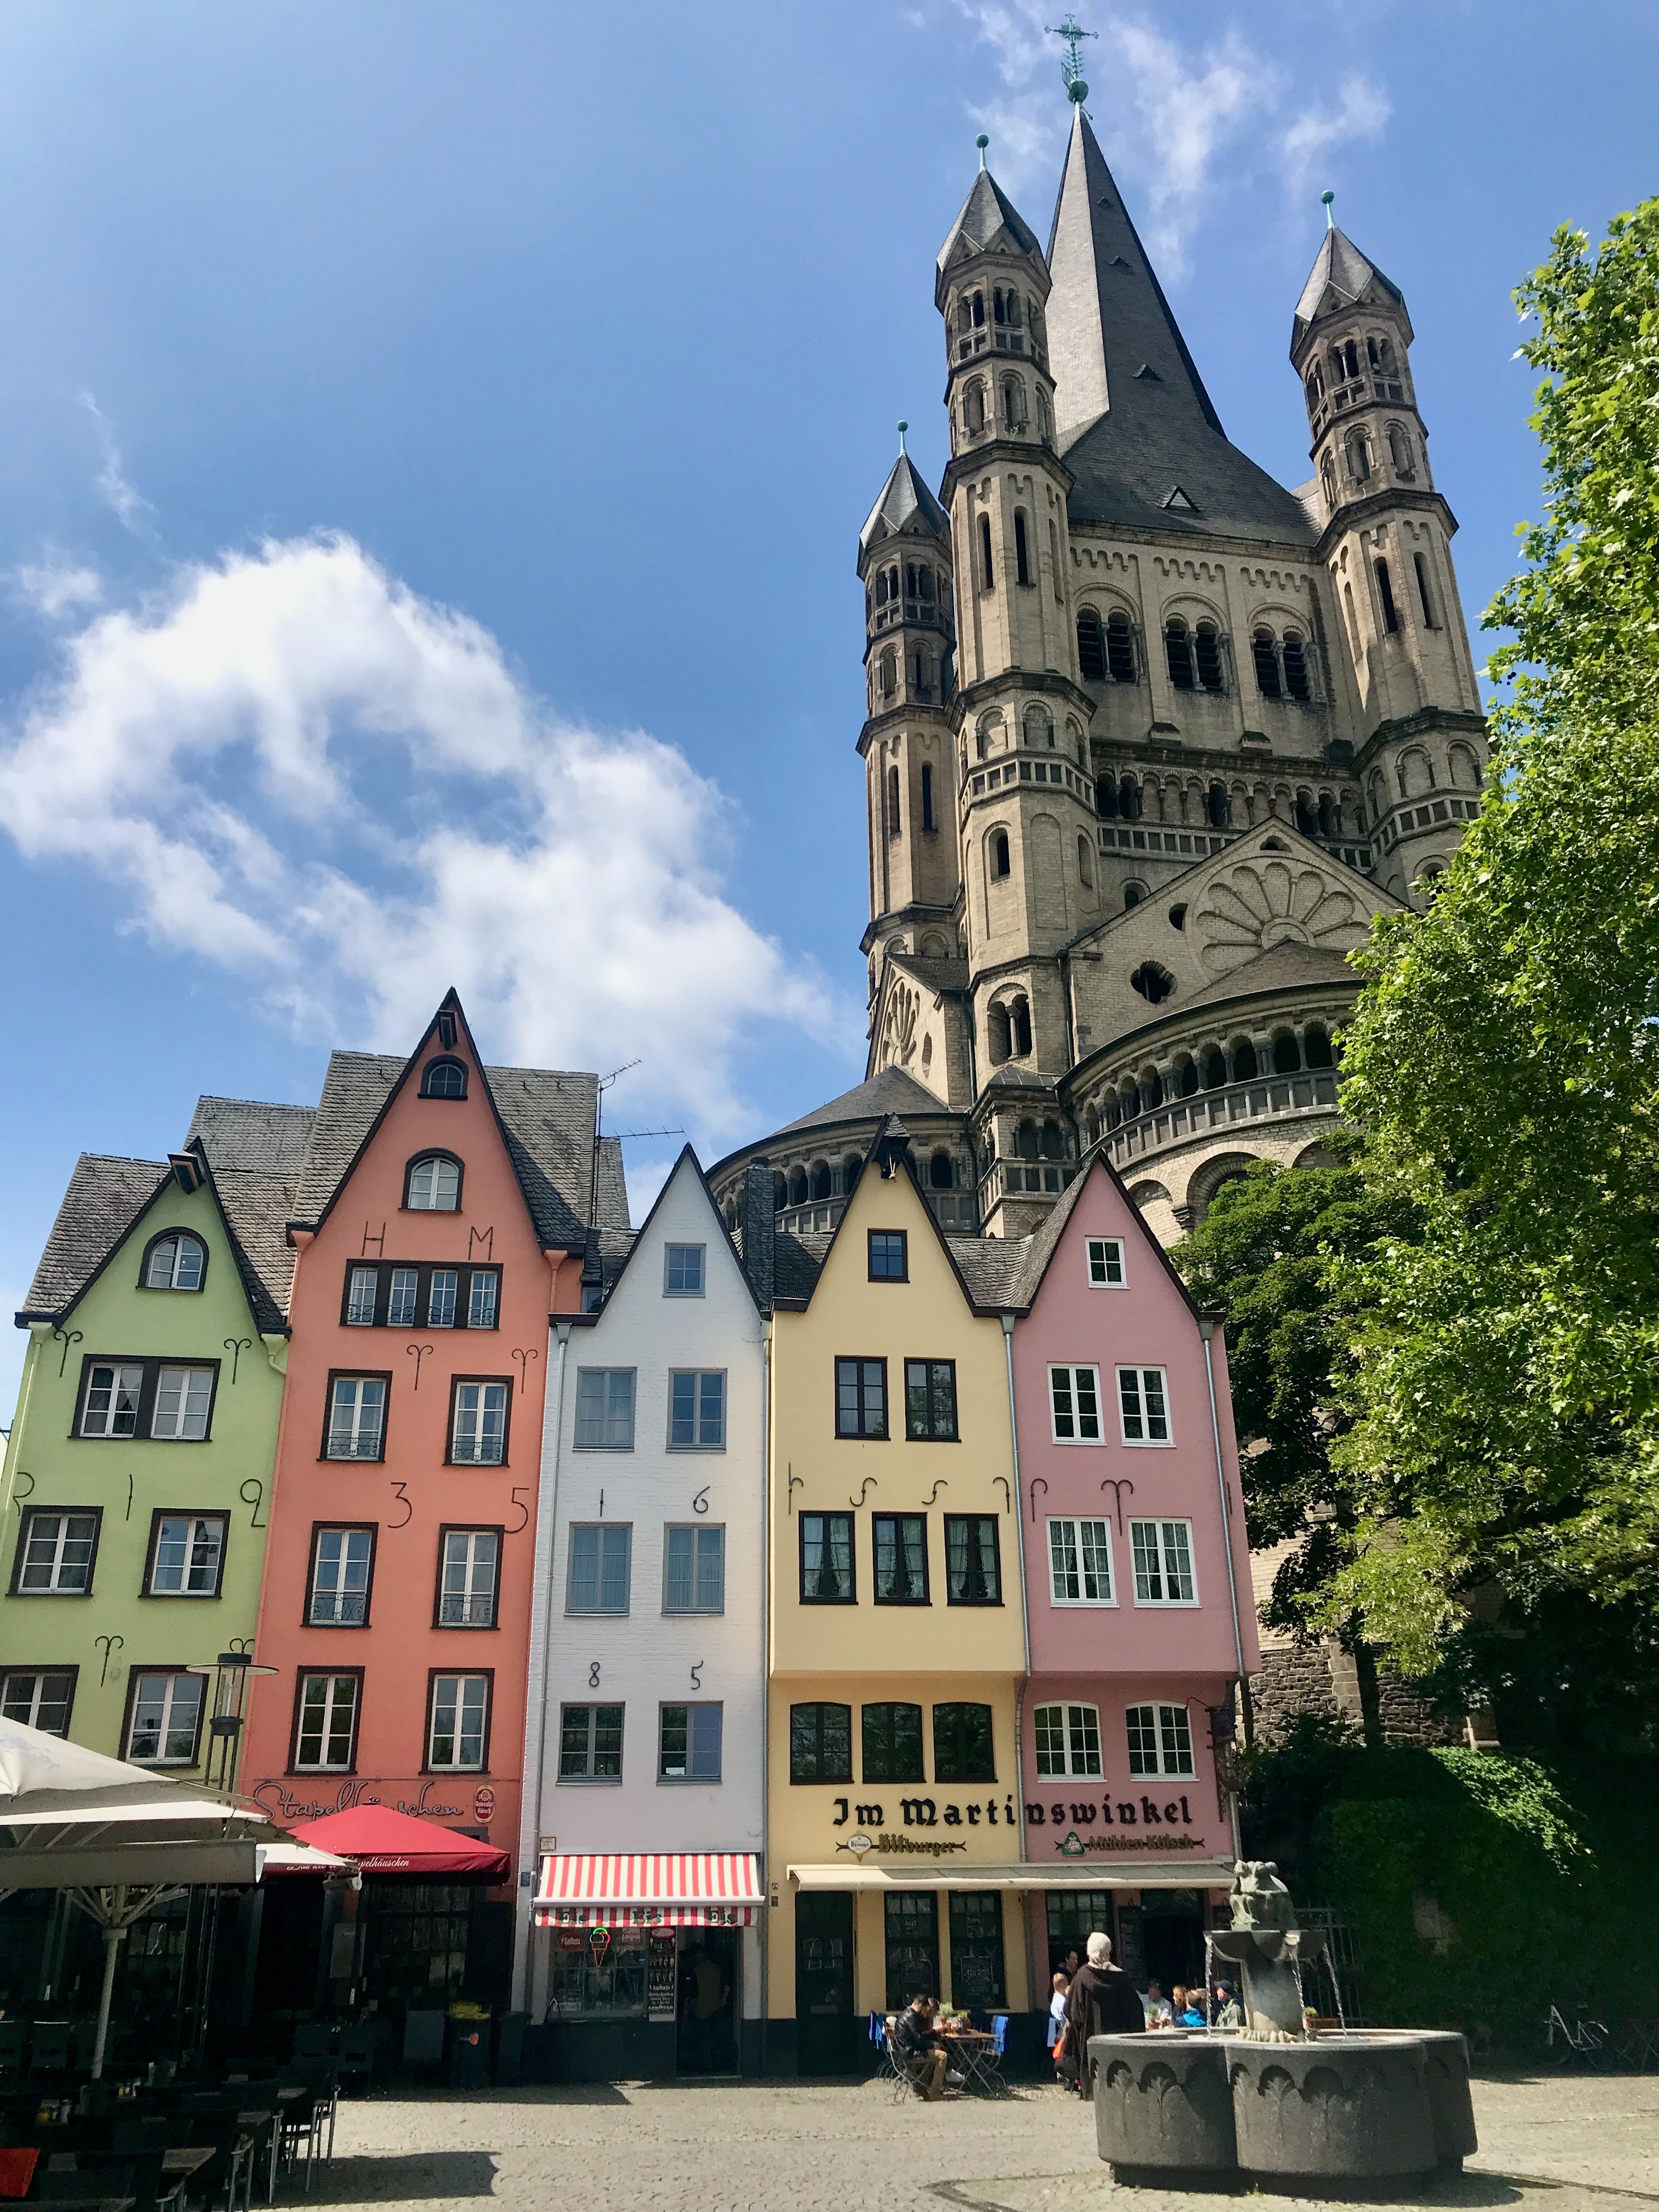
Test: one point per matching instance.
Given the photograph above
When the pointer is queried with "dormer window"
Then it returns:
(434, 1185)
(175, 1261)
(444, 1079)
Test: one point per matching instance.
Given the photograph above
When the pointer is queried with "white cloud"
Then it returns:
(1167, 114)
(131, 508)
(52, 587)
(304, 773)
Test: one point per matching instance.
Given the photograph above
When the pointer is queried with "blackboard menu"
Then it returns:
(660, 1977)
(1132, 1943)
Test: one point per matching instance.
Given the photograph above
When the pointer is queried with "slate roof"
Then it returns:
(611, 1207)
(250, 1134)
(105, 1196)
(1339, 266)
(257, 1208)
(991, 1266)
(906, 506)
(1280, 967)
(890, 1091)
(938, 974)
(987, 210)
(797, 1261)
(1134, 421)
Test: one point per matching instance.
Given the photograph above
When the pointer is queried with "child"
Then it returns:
(1062, 1984)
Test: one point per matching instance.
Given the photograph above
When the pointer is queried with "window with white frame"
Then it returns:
(693, 1568)
(1143, 1404)
(356, 1416)
(164, 1720)
(341, 1564)
(1160, 1740)
(1067, 1740)
(460, 1727)
(696, 1409)
(482, 1297)
(402, 1298)
(605, 1409)
(591, 1743)
(440, 1295)
(434, 1185)
(113, 1389)
(478, 1431)
(1074, 1403)
(468, 1579)
(360, 1297)
(689, 1743)
(1106, 1263)
(187, 1555)
(325, 1733)
(1080, 1561)
(176, 1262)
(55, 1553)
(683, 1271)
(1163, 1562)
(598, 1572)
(40, 1697)
(184, 1399)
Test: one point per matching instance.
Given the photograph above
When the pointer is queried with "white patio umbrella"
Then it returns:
(118, 1839)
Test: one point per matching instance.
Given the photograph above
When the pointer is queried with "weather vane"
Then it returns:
(1071, 68)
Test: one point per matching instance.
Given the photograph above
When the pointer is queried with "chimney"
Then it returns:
(759, 1230)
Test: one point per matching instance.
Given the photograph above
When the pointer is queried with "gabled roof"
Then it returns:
(687, 1163)
(1280, 967)
(906, 508)
(610, 1194)
(1134, 421)
(105, 1196)
(1339, 276)
(257, 1209)
(890, 1091)
(1039, 1248)
(250, 1134)
(988, 219)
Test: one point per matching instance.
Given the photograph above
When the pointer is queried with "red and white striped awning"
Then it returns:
(664, 1889)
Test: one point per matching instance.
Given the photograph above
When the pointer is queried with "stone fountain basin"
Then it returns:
(1364, 2108)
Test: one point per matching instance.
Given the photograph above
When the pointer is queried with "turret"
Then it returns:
(1388, 543)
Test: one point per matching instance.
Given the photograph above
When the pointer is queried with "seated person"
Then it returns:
(1190, 2014)
(921, 2051)
(1156, 2006)
(1229, 2011)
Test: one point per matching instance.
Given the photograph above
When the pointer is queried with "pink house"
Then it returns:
(1138, 1587)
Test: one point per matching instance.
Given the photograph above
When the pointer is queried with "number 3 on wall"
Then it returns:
(399, 1490)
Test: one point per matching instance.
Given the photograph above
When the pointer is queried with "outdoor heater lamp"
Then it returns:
(232, 1672)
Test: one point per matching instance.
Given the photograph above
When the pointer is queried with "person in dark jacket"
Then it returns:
(920, 2048)
(1103, 2000)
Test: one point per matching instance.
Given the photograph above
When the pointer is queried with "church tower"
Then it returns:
(909, 762)
(1021, 717)
(1387, 534)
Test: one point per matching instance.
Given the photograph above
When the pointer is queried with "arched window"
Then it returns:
(888, 674)
(174, 1261)
(1207, 641)
(1400, 450)
(1025, 1140)
(1327, 479)
(1351, 357)
(1013, 404)
(780, 1194)
(1045, 432)
(1317, 1046)
(988, 573)
(973, 408)
(1186, 1079)
(1000, 1038)
(1307, 817)
(1385, 592)
(1218, 807)
(1154, 983)
(1132, 894)
(1000, 861)
(1022, 552)
(1120, 648)
(798, 1186)
(1039, 728)
(927, 821)
(444, 1079)
(892, 802)
(1465, 767)
(1091, 1128)
(987, 734)
(881, 587)
(1267, 664)
(1128, 798)
(1054, 1145)
(1377, 793)
(1085, 863)
(1295, 666)
(849, 1174)
(1287, 1056)
(1422, 569)
(1105, 797)
(1091, 646)
(1019, 1022)
(1178, 651)
(434, 1185)
(1370, 350)
(1330, 820)
(1243, 1061)
(821, 1179)
(940, 1174)
(1386, 363)
(1152, 1089)
(1359, 451)
(1353, 620)
(1215, 1068)
(977, 308)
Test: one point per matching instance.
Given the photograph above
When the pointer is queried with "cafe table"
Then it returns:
(972, 2052)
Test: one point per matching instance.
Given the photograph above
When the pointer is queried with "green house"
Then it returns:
(137, 1478)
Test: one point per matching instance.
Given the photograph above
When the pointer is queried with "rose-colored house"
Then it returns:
(1138, 1627)
(442, 1218)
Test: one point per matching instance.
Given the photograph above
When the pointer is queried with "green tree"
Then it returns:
(1503, 1398)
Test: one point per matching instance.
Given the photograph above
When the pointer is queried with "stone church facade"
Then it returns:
(1149, 737)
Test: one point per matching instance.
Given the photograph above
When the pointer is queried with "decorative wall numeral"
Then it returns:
(519, 1497)
(111, 1644)
(400, 1492)
(700, 1503)
(18, 1495)
(66, 1337)
(593, 1675)
(696, 1674)
(253, 1493)
(236, 1346)
(417, 1353)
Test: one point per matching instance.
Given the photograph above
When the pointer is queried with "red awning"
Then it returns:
(668, 1889)
(382, 1841)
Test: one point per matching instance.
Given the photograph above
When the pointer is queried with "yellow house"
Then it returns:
(896, 1626)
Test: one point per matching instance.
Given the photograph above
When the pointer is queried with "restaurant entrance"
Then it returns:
(710, 1976)
(826, 2038)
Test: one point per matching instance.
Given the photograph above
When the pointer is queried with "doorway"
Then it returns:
(706, 2017)
(825, 2036)
(1173, 1924)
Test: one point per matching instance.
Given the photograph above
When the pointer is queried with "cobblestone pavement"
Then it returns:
(1565, 2142)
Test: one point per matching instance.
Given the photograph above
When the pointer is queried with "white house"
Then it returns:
(641, 1947)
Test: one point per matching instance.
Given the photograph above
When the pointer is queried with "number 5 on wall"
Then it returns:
(519, 1497)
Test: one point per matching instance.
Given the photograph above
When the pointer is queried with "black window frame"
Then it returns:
(446, 1529)
(818, 1707)
(25, 1519)
(903, 1238)
(219, 1513)
(171, 1290)
(445, 1060)
(302, 1675)
(423, 1270)
(38, 1669)
(474, 1674)
(435, 1152)
(994, 1523)
(861, 1435)
(931, 1435)
(456, 1382)
(851, 1598)
(355, 1375)
(887, 1764)
(952, 1759)
(144, 1422)
(343, 1527)
(876, 1597)
(591, 1706)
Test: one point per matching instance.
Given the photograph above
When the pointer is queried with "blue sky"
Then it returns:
(436, 439)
